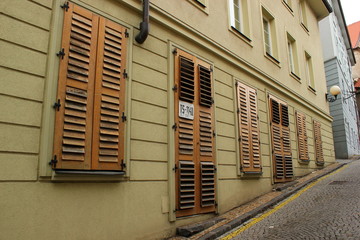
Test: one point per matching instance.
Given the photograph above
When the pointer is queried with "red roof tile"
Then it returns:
(354, 32)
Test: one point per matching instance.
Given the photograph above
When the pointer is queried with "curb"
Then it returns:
(193, 229)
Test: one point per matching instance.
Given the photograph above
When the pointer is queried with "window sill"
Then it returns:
(250, 175)
(288, 8)
(295, 76)
(241, 35)
(200, 6)
(311, 89)
(272, 59)
(305, 28)
(87, 176)
(303, 162)
(320, 164)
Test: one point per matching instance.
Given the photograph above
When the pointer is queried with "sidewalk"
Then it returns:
(217, 226)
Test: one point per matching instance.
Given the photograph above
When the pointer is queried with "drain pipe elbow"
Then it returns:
(144, 25)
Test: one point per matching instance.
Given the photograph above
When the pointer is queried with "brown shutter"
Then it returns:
(184, 135)
(249, 134)
(281, 147)
(319, 155)
(109, 100)
(194, 140)
(302, 136)
(206, 138)
(72, 143)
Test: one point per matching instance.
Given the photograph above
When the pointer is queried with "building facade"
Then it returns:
(339, 58)
(106, 138)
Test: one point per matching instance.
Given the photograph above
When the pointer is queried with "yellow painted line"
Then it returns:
(255, 220)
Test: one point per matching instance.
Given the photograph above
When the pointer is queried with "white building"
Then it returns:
(338, 59)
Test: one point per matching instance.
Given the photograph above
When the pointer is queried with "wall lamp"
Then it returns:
(334, 91)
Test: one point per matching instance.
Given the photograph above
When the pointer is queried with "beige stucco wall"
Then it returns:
(141, 204)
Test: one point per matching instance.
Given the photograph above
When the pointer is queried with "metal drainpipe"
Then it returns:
(144, 25)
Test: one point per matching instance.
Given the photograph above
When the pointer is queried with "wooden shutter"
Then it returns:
(281, 146)
(319, 155)
(249, 132)
(184, 135)
(72, 143)
(194, 140)
(302, 136)
(109, 107)
(206, 150)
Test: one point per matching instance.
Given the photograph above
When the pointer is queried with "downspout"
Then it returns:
(144, 25)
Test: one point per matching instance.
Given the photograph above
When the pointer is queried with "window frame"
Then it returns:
(310, 72)
(303, 15)
(50, 92)
(270, 39)
(293, 57)
(243, 30)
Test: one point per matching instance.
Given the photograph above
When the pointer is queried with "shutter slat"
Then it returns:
(319, 155)
(186, 184)
(207, 184)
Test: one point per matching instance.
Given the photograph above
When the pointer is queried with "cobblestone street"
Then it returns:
(328, 210)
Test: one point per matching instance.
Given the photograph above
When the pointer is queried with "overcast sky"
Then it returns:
(351, 9)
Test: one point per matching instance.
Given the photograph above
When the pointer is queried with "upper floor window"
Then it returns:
(310, 71)
(270, 43)
(303, 16)
(293, 58)
(239, 17)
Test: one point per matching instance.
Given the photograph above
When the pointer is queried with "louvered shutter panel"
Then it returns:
(302, 136)
(281, 147)
(286, 142)
(319, 155)
(184, 135)
(205, 138)
(249, 135)
(72, 142)
(109, 100)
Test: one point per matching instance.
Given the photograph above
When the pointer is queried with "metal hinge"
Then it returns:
(53, 162)
(238, 110)
(211, 69)
(214, 134)
(175, 168)
(65, 6)
(212, 100)
(239, 139)
(57, 105)
(123, 117)
(61, 53)
(236, 84)
(175, 88)
(123, 164)
(174, 51)
(125, 75)
(126, 33)
(174, 126)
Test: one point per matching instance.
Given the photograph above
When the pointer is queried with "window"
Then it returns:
(194, 136)
(89, 125)
(249, 130)
(280, 135)
(269, 30)
(302, 137)
(319, 155)
(303, 15)
(293, 57)
(239, 17)
(202, 2)
(310, 71)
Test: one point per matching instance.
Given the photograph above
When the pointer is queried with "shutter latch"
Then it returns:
(65, 6)
(175, 88)
(123, 117)
(53, 162)
(174, 126)
(61, 53)
(175, 168)
(57, 105)
(214, 134)
(126, 33)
